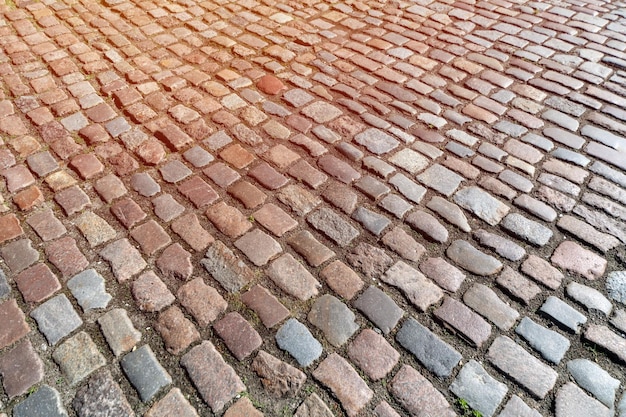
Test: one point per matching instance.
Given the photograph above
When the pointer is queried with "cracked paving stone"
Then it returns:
(551, 345)
(65, 255)
(56, 318)
(279, 378)
(150, 293)
(124, 259)
(21, 368)
(89, 290)
(515, 362)
(202, 301)
(226, 268)
(45, 402)
(101, 395)
(239, 336)
(436, 355)
(145, 372)
(78, 357)
(473, 260)
(481, 391)
(416, 394)
(216, 381)
(373, 354)
(334, 319)
(119, 331)
(345, 383)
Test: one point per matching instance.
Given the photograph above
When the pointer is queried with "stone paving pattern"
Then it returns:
(312, 208)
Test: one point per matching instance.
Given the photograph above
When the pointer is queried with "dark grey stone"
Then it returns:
(145, 372)
(550, 344)
(101, 396)
(56, 318)
(379, 308)
(371, 220)
(297, 340)
(594, 379)
(481, 391)
(435, 354)
(45, 402)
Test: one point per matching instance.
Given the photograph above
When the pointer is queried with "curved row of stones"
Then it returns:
(312, 208)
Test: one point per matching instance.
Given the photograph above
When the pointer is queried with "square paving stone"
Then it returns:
(151, 237)
(167, 208)
(221, 174)
(46, 225)
(128, 212)
(87, 165)
(238, 335)
(145, 372)
(216, 380)
(176, 330)
(21, 368)
(124, 259)
(17, 177)
(373, 354)
(9, 228)
(72, 200)
(198, 192)
(150, 293)
(15, 326)
(95, 229)
(42, 163)
(175, 262)
(110, 187)
(249, 195)
(101, 396)
(19, 255)
(173, 403)
(78, 357)
(56, 318)
(228, 220)
(379, 308)
(144, 184)
(89, 290)
(37, 283)
(275, 219)
(258, 246)
(45, 402)
(297, 340)
(119, 331)
(481, 391)
(65, 255)
(265, 305)
(198, 157)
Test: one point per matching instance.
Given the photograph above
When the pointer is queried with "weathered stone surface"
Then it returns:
(231, 272)
(572, 257)
(292, 277)
(333, 226)
(373, 354)
(417, 395)
(521, 366)
(334, 319)
(607, 339)
(444, 274)
(551, 345)
(440, 179)
(473, 260)
(337, 374)
(463, 321)
(176, 330)
(56, 318)
(101, 395)
(89, 290)
(526, 229)
(591, 298)
(370, 260)
(482, 204)
(572, 401)
(125, 260)
(595, 380)
(21, 368)
(435, 354)
(298, 341)
(403, 244)
(449, 211)
(415, 286)
(145, 372)
(486, 302)
(279, 378)
(216, 381)
(516, 407)
(119, 331)
(481, 391)
(379, 308)
(616, 286)
(173, 403)
(45, 402)
(313, 406)
(563, 314)
(427, 225)
(541, 271)
(238, 335)
(77, 357)
(501, 245)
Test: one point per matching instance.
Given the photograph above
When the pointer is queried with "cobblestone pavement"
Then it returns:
(313, 208)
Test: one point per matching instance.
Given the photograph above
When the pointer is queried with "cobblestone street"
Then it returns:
(312, 208)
